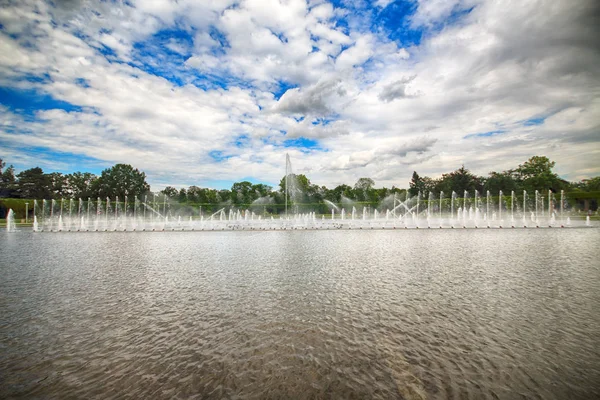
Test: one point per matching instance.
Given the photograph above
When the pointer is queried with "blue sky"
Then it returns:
(209, 93)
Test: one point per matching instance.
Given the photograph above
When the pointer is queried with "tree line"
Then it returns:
(534, 174)
(123, 180)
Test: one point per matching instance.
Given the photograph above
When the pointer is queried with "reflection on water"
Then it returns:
(345, 314)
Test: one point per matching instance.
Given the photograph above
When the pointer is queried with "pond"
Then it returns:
(495, 313)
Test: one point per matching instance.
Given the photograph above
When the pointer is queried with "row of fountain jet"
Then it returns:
(413, 212)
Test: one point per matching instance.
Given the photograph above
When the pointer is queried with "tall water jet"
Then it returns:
(89, 205)
(70, 214)
(43, 213)
(124, 214)
(441, 202)
(550, 204)
(562, 206)
(464, 213)
(35, 224)
(145, 206)
(512, 207)
(430, 205)
(418, 200)
(116, 211)
(288, 172)
(106, 214)
(452, 208)
(524, 207)
(136, 204)
(10, 221)
(500, 206)
(98, 212)
(34, 213)
(536, 207)
(487, 207)
(153, 208)
(476, 199)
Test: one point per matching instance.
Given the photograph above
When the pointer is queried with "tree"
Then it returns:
(223, 195)
(299, 186)
(262, 190)
(592, 185)
(34, 184)
(501, 181)
(194, 194)
(182, 196)
(459, 181)
(416, 184)
(7, 180)
(362, 187)
(243, 192)
(364, 184)
(79, 184)
(169, 191)
(58, 185)
(335, 194)
(536, 174)
(122, 180)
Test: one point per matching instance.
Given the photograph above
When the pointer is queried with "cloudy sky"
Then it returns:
(211, 92)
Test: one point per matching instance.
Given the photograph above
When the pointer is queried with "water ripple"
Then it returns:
(310, 315)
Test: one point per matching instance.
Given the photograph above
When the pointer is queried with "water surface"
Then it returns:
(301, 314)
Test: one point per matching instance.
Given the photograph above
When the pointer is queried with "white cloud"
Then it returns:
(355, 55)
(383, 3)
(430, 12)
(379, 110)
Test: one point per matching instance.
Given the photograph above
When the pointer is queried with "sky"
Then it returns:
(208, 93)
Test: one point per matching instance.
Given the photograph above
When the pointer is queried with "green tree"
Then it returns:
(504, 181)
(459, 181)
(34, 184)
(364, 184)
(58, 185)
(416, 184)
(244, 193)
(335, 194)
(194, 194)
(298, 187)
(79, 184)
(7, 180)
(262, 190)
(592, 185)
(222, 195)
(121, 180)
(536, 174)
(362, 189)
(182, 196)
(170, 192)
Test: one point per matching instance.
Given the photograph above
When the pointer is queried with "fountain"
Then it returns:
(465, 211)
(10, 221)
(443, 210)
